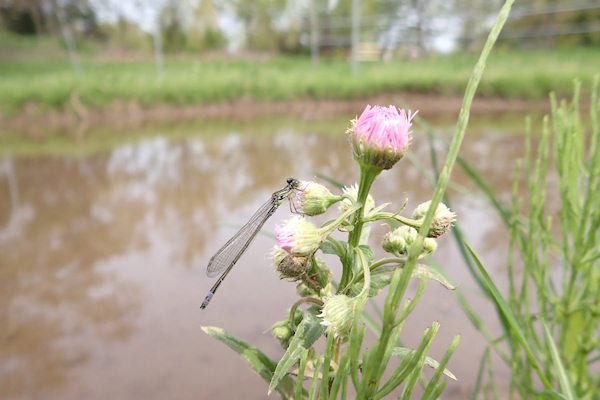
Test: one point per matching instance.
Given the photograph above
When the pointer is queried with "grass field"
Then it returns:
(41, 74)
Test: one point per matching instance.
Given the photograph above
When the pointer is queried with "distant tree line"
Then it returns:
(30, 17)
(288, 26)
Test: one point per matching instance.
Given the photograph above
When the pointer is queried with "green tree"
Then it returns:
(258, 19)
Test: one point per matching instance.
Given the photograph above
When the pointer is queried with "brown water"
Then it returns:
(102, 257)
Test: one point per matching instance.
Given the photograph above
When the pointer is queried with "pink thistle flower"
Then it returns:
(298, 237)
(381, 135)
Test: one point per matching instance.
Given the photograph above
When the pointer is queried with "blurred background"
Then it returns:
(137, 135)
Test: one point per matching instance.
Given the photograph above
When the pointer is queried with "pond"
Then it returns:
(103, 253)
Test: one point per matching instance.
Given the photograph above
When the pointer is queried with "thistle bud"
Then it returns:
(282, 332)
(400, 239)
(352, 192)
(442, 220)
(380, 136)
(298, 237)
(429, 245)
(338, 313)
(313, 198)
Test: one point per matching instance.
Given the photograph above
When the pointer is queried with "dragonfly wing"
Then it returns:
(234, 247)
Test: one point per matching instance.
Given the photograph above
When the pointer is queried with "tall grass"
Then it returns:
(550, 313)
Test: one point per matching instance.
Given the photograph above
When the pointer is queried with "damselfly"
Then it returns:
(227, 256)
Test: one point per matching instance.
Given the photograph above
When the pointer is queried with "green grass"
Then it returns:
(31, 73)
(549, 316)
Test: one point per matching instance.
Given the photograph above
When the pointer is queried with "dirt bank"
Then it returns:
(121, 115)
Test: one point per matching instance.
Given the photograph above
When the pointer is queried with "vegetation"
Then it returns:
(50, 83)
(550, 315)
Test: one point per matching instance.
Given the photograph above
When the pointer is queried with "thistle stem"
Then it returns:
(297, 303)
(367, 177)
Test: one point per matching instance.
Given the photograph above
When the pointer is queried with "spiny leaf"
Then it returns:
(382, 276)
(258, 361)
(425, 271)
(309, 330)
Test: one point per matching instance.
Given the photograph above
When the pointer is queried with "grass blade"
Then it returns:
(563, 378)
(511, 320)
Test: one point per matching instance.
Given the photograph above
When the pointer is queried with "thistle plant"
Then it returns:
(334, 309)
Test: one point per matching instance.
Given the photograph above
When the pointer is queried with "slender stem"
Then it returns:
(383, 261)
(364, 293)
(332, 225)
(414, 223)
(297, 303)
(311, 283)
(337, 244)
(367, 177)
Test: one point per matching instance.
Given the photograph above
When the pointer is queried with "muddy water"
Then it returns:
(102, 257)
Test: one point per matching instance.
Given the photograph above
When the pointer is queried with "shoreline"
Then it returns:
(132, 115)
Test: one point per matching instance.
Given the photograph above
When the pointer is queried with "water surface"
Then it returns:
(103, 255)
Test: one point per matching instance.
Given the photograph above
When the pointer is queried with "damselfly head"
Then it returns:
(293, 182)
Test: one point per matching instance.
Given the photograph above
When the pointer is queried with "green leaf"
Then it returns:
(426, 271)
(510, 317)
(404, 352)
(309, 330)
(329, 247)
(258, 361)
(382, 276)
(368, 252)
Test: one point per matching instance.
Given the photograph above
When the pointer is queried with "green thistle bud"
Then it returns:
(352, 192)
(313, 198)
(338, 313)
(442, 220)
(429, 245)
(282, 332)
(400, 239)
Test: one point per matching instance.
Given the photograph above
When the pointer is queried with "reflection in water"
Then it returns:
(102, 259)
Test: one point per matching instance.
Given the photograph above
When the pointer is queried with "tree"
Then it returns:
(257, 18)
